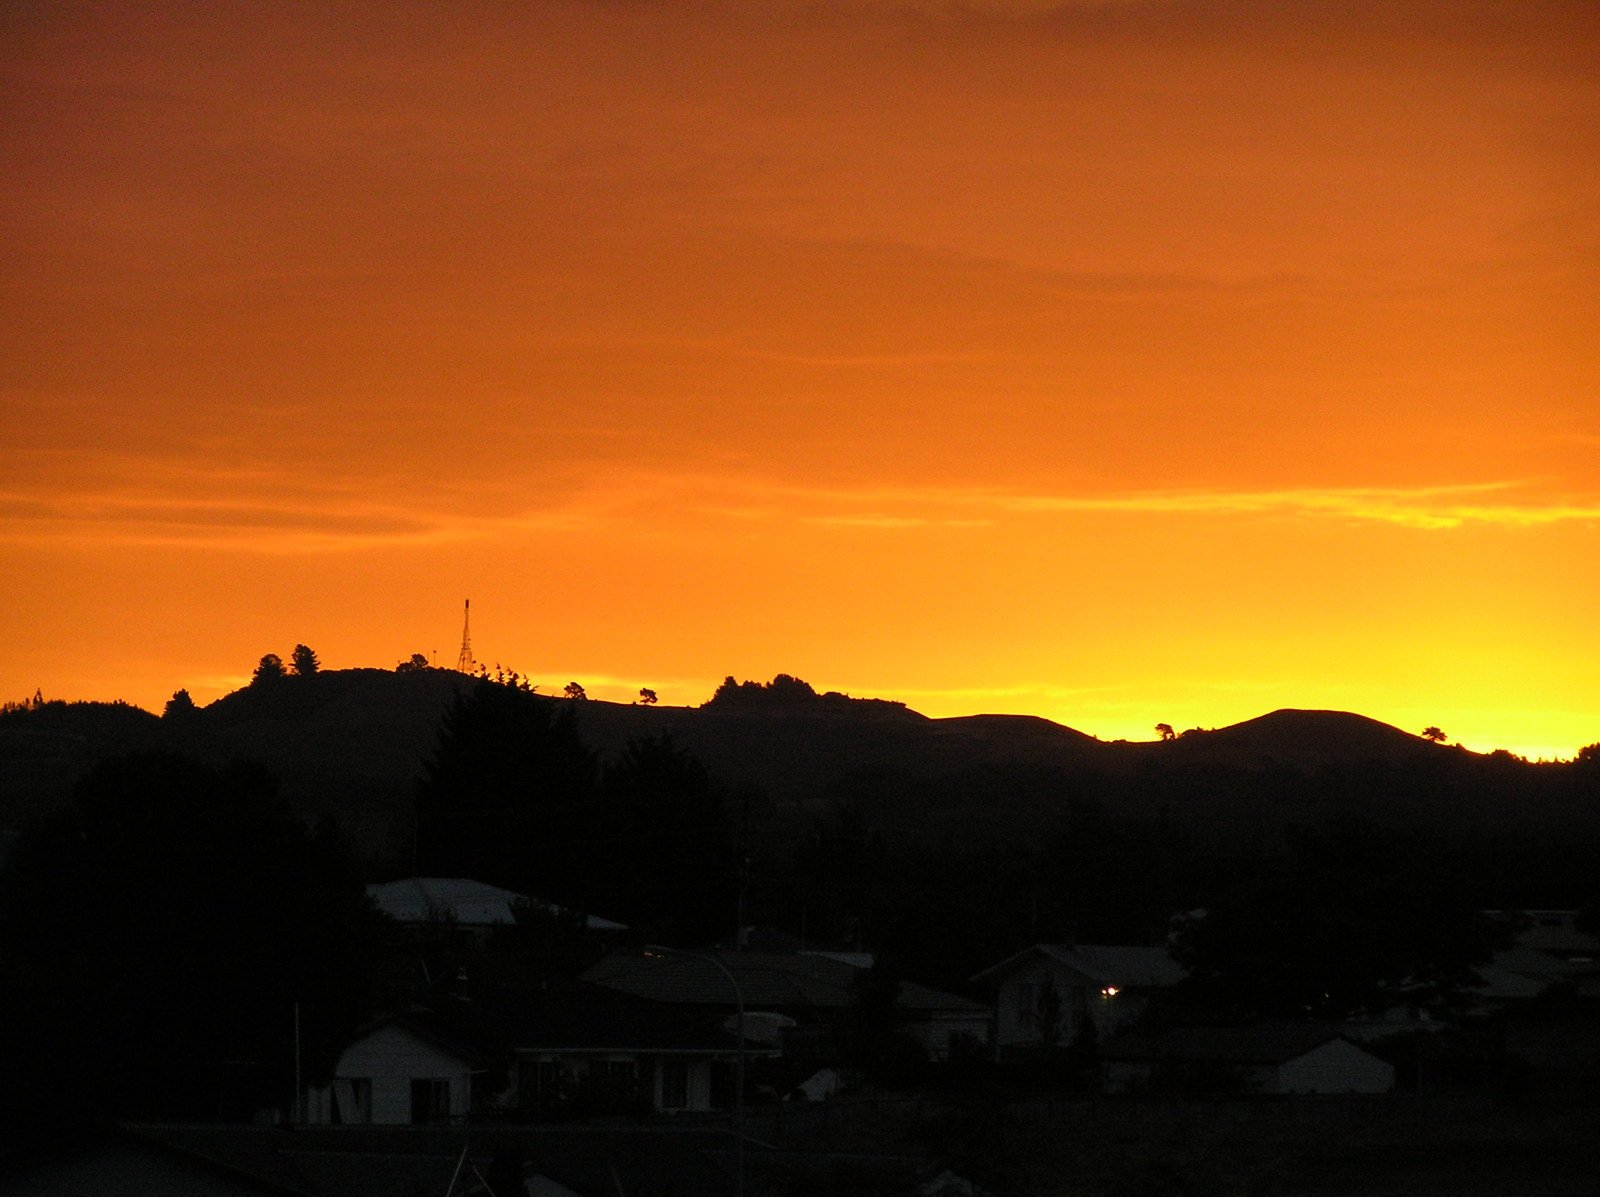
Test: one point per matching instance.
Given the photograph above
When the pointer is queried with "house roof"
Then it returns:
(582, 1017)
(427, 1026)
(1126, 966)
(1553, 931)
(771, 980)
(1536, 964)
(1260, 1043)
(459, 900)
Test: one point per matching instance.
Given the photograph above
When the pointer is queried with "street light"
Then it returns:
(738, 1071)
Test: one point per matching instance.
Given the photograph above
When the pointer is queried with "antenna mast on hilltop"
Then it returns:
(465, 663)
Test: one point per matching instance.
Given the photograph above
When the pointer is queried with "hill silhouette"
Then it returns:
(352, 743)
(1305, 739)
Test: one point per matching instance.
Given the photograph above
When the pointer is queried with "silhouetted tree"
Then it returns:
(843, 863)
(782, 690)
(268, 669)
(1434, 734)
(179, 706)
(872, 1036)
(647, 696)
(303, 661)
(155, 937)
(1354, 922)
(1164, 730)
(670, 867)
(509, 796)
(571, 689)
(415, 663)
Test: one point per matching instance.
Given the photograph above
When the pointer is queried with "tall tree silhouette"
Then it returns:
(156, 936)
(669, 864)
(510, 795)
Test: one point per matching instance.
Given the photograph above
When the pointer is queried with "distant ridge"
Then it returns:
(353, 743)
(1306, 737)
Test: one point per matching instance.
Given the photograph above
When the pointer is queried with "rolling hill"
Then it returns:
(353, 743)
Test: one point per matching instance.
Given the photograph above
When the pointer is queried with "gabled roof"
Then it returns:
(458, 900)
(1125, 966)
(427, 1026)
(1261, 1043)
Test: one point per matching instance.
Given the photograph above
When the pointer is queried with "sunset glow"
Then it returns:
(1118, 362)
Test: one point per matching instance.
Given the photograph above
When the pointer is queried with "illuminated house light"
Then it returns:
(1110, 991)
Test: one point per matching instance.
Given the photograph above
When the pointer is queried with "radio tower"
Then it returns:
(465, 663)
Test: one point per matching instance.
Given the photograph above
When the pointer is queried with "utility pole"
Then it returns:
(299, 1093)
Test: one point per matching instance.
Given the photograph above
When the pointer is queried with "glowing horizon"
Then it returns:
(1116, 363)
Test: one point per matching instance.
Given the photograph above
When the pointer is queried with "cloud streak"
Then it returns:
(1432, 508)
(283, 516)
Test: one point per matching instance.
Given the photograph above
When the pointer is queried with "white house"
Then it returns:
(394, 1074)
(1049, 992)
(1266, 1058)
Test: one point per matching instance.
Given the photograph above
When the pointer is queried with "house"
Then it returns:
(397, 1072)
(595, 1050)
(470, 906)
(814, 990)
(1554, 933)
(1050, 992)
(1264, 1058)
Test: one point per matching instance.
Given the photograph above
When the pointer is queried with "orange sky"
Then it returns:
(1117, 362)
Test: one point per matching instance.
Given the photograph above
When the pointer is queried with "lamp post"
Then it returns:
(738, 1070)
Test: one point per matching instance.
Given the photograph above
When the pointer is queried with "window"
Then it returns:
(722, 1084)
(430, 1099)
(674, 1084)
(352, 1100)
(1028, 999)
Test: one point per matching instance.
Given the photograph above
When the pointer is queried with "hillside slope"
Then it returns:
(353, 743)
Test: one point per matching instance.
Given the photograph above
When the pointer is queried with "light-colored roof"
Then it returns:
(458, 900)
(1126, 966)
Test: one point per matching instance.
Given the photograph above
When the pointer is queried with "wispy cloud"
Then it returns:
(273, 510)
(1517, 504)
(1435, 507)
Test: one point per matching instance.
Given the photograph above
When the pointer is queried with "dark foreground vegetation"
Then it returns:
(171, 918)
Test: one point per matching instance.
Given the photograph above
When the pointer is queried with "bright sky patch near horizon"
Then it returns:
(1120, 363)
